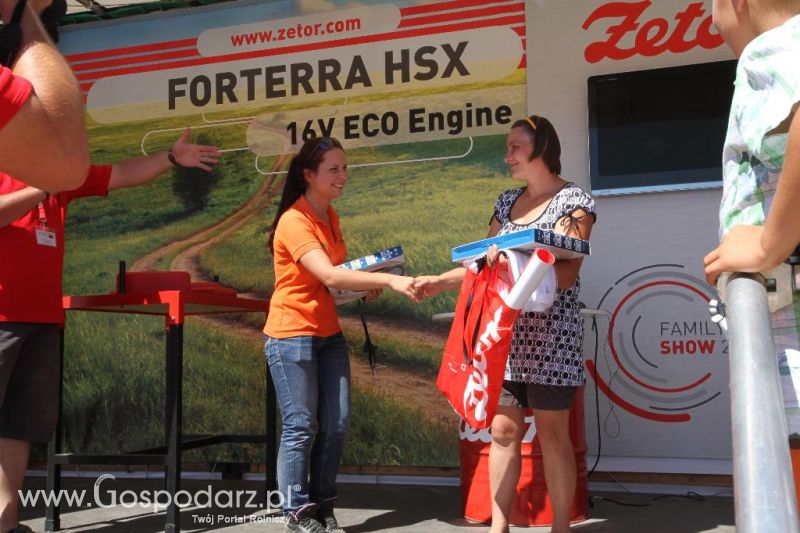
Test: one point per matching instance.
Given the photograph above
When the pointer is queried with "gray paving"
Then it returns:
(366, 507)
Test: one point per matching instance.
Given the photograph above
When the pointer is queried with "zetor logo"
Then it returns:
(651, 37)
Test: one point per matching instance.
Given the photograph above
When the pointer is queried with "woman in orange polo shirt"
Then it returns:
(305, 348)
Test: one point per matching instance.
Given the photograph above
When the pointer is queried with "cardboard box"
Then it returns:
(559, 245)
(390, 260)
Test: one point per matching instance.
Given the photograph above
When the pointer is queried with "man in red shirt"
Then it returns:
(43, 139)
(32, 245)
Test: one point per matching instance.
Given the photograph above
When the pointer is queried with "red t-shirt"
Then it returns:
(30, 262)
(14, 92)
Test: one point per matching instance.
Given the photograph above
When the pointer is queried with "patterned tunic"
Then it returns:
(546, 348)
(766, 89)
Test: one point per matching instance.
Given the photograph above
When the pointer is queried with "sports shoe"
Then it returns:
(303, 521)
(329, 522)
(21, 529)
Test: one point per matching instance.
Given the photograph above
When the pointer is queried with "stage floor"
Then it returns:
(362, 508)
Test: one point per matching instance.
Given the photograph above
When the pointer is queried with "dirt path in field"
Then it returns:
(205, 238)
(406, 388)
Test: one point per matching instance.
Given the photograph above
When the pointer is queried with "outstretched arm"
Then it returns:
(762, 248)
(125, 174)
(140, 170)
(45, 144)
(428, 286)
(342, 278)
(450, 280)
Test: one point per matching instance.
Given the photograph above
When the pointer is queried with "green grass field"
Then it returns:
(224, 384)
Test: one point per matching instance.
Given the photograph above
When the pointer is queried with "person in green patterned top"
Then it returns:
(760, 210)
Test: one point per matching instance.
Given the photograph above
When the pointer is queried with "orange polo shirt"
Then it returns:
(301, 304)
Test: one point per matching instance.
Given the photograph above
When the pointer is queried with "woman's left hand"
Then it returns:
(372, 294)
(493, 254)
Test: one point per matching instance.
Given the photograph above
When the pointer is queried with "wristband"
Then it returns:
(172, 159)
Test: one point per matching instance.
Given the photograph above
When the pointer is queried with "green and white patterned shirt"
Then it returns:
(767, 89)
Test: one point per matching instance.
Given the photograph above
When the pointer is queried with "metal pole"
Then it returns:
(52, 520)
(174, 422)
(764, 494)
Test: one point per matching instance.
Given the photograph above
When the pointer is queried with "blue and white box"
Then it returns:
(561, 246)
(390, 260)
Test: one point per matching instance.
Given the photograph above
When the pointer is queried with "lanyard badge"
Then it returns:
(45, 236)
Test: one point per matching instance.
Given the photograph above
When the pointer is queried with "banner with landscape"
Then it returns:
(421, 94)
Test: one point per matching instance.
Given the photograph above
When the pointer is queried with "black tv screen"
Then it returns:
(660, 129)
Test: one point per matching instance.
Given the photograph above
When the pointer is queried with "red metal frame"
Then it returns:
(174, 305)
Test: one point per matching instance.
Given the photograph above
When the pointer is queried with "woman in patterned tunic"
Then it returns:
(545, 364)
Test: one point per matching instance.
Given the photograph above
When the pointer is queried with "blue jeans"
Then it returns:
(312, 384)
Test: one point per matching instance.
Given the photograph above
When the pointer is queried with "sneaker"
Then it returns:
(329, 522)
(303, 522)
(21, 529)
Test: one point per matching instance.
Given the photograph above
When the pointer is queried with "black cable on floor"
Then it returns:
(690, 495)
(596, 395)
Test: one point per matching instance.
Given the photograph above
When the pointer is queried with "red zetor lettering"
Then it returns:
(652, 37)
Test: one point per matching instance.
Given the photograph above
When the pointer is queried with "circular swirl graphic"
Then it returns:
(664, 349)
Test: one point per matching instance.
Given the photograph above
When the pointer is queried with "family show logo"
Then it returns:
(663, 351)
(632, 32)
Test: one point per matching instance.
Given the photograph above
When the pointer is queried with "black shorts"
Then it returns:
(533, 396)
(29, 358)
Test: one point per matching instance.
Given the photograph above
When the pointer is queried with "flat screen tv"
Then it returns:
(660, 129)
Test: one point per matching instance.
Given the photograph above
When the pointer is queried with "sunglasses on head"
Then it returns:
(326, 143)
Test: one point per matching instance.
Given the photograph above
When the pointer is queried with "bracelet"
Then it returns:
(172, 159)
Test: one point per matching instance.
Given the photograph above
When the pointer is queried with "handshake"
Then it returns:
(418, 288)
(11, 11)
(421, 287)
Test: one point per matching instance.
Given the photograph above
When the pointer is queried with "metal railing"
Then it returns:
(764, 493)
